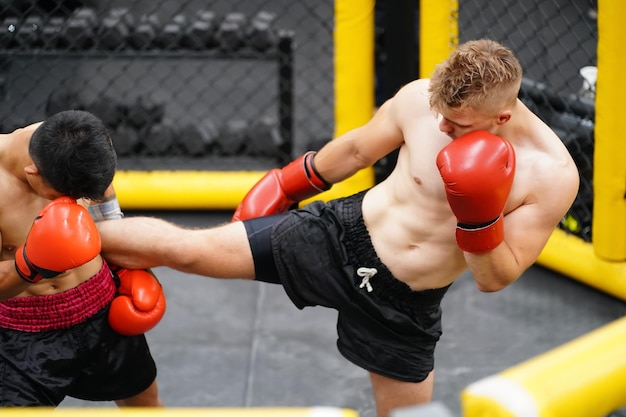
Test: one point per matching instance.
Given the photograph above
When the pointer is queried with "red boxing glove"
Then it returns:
(140, 303)
(63, 236)
(280, 189)
(477, 170)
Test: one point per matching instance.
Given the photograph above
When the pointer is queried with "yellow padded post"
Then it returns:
(354, 63)
(583, 378)
(573, 257)
(609, 167)
(181, 412)
(354, 81)
(438, 33)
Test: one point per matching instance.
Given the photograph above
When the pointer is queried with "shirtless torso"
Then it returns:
(18, 209)
(408, 216)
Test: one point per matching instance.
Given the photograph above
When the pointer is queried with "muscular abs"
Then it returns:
(413, 233)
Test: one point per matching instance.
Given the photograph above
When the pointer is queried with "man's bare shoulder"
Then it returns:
(417, 89)
(22, 132)
(412, 99)
(549, 176)
(558, 169)
(540, 147)
(27, 130)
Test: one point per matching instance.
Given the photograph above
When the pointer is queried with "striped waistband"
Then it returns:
(58, 311)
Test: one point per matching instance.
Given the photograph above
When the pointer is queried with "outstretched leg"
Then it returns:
(146, 242)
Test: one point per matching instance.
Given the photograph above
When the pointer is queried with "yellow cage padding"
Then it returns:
(609, 162)
(182, 412)
(583, 378)
(438, 28)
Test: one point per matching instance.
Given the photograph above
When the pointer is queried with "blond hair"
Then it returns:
(480, 74)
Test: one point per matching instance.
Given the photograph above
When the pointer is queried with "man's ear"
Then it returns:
(31, 170)
(504, 117)
(37, 183)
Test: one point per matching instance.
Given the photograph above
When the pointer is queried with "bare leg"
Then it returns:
(147, 398)
(390, 394)
(146, 242)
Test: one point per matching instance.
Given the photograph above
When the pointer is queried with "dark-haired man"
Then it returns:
(56, 289)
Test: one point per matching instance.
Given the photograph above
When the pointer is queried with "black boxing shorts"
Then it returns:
(61, 345)
(322, 255)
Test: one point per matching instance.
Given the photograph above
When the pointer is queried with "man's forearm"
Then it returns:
(132, 242)
(10, 282)
(495, 270)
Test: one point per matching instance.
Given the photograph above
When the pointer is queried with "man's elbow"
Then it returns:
(488, 287)
(493, 285)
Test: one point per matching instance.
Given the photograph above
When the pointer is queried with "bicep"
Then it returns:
(382, 134)
(527, 230)
(360, 147)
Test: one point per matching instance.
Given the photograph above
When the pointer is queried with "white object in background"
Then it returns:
(589, 74)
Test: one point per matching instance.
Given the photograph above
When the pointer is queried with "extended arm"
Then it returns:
(140, 302)
(312, 173)
(361, 147)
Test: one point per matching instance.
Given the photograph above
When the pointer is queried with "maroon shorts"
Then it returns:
(61, 345)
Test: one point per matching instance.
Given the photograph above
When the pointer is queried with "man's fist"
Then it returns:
(477, 170)
(139, 304)
(63, 236)
(280, 189)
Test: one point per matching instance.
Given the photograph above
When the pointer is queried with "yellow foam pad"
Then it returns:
(181, 412)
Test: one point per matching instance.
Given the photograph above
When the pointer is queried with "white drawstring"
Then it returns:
(366, 273)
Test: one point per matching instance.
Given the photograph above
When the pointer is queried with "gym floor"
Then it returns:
(243, 344)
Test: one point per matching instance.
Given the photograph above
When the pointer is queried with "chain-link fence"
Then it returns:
(182, 82)
(556, 42)
(176, 81)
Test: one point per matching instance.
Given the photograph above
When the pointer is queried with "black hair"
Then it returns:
(74, 154)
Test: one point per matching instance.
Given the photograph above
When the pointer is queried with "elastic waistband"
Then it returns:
(58, 311)
(361, 251)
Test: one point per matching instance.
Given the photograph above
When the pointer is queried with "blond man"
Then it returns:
(480, 183)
